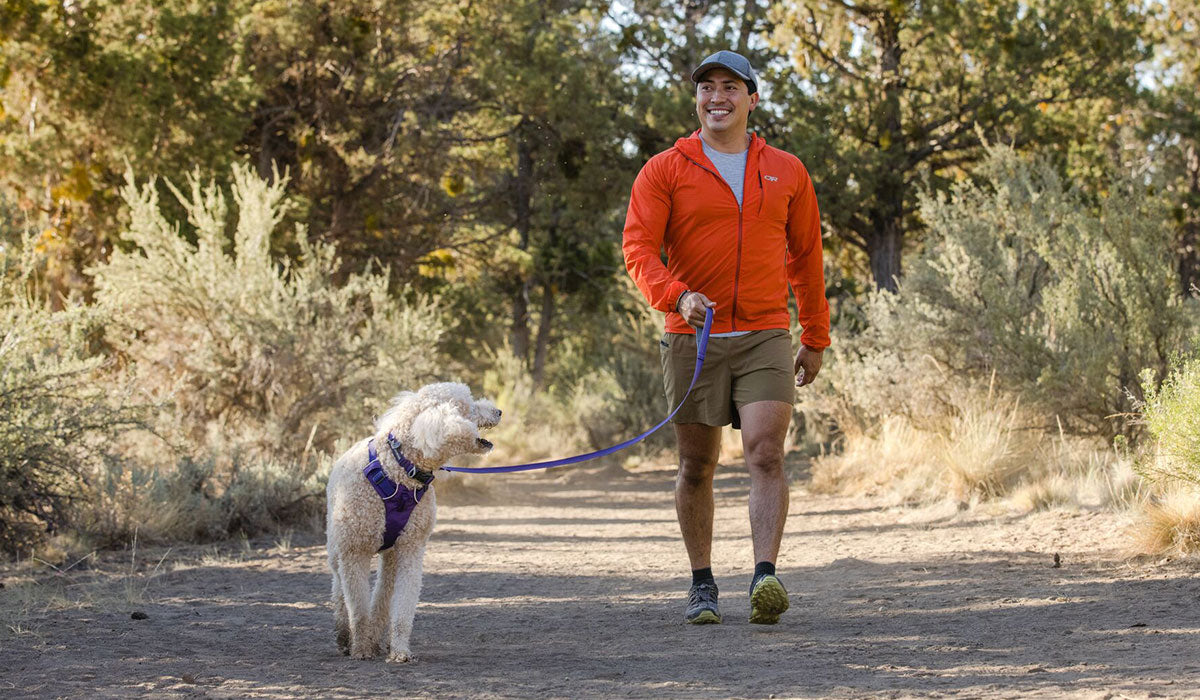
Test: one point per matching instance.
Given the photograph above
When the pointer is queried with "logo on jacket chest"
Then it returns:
(770, 178)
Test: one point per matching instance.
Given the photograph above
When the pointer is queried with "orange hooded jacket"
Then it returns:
(741, 258)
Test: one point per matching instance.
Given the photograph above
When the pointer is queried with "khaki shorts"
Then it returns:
(737, 371)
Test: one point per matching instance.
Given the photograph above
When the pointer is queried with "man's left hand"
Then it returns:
(808, 364)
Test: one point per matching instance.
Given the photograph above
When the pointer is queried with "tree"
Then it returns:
(884, 94)
(87, 87)
(1173, 124)
(552, 117)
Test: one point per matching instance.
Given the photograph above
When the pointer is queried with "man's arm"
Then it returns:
(645, 225)
(806, 273)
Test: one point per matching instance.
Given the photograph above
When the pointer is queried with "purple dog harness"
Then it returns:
(399, 501)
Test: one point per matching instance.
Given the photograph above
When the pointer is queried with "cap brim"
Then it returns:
(705, 67)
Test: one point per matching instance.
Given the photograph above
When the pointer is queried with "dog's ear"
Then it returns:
(437, 426)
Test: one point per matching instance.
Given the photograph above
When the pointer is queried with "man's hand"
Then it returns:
(808, 364)
(692, 307)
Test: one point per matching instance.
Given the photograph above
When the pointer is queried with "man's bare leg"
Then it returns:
(764, 428)
(699, 445)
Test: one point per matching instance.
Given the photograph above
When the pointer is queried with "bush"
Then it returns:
(198, 500)
(253, 354)
(1063, 301)
(1172, 415)
(58, 415)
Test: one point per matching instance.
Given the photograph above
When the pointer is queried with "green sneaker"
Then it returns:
(702, 604)
(768, 600)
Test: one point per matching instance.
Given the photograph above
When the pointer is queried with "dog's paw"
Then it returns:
(403, 656)
(364, 651)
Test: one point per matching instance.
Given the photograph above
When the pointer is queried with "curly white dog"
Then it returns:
(380, 499)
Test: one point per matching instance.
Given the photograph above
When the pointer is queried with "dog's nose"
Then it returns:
(499, 413)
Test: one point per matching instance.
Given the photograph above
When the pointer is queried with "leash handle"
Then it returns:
(701, 350)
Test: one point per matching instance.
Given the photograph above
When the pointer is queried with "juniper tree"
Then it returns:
(884, 94)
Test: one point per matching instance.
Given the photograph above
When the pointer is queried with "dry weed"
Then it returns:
(1170, 524)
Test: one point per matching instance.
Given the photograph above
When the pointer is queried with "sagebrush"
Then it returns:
(253, 351)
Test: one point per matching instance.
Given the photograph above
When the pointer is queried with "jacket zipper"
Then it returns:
(737, 271)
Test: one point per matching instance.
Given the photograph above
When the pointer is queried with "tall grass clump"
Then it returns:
(58, 414)
(1028, 294)
(252, 352)
(1170, 523)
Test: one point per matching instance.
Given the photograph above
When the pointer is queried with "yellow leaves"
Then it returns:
(76, 186)
(48, 241)
(453, 184)
(1043, 106)
(885, 140)
(436, 263)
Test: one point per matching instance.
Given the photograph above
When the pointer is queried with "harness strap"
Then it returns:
(399, 501)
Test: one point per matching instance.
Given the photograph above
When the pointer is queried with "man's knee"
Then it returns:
(765, 460)
(696, 471)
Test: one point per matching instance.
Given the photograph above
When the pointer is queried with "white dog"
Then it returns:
(420, 433)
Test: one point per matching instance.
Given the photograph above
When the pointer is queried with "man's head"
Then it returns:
(726, 92)
(732, 61)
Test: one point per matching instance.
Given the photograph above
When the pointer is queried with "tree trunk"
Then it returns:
(887, 216)
(522, 195)
(883, 250)
(545, 323)
(1189, 240)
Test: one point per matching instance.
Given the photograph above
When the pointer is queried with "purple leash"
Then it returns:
(701, 348)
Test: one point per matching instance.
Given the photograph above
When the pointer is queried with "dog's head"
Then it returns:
(439, 422)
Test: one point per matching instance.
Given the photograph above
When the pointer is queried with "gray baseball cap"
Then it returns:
(732, 61)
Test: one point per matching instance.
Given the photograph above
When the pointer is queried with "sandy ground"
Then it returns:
(573, 586)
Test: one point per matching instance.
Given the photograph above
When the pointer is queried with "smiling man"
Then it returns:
(738, 221)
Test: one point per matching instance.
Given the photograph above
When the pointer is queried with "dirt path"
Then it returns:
(575, 590)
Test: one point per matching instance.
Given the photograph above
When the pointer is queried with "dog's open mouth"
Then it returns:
(483, 444)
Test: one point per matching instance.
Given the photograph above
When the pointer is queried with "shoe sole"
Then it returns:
(705, 617)
(768, 601)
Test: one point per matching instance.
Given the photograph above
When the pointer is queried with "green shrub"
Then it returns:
(1026, 284)
(59, 414)
(249, 353)
(1172, 415)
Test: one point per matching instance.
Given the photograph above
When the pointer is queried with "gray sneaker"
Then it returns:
(702, 604)
(768, 600)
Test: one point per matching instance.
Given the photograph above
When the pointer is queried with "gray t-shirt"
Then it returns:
(731, 166)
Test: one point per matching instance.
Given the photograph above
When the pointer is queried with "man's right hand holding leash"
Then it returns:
(691, 306)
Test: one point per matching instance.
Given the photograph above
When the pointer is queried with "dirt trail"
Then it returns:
(573, 588)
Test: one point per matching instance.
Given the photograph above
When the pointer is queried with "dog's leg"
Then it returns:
(354, 570)
(381, 597)
(341, 620)
(404, 604)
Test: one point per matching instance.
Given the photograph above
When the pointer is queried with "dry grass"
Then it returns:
(1170, 524)
(980, 449)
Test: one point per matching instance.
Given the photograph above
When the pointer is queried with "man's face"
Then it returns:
(723, 102)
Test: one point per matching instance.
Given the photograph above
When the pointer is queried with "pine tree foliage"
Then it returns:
(896, 92)
(251, 350)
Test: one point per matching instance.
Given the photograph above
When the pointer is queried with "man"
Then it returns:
(738, 220)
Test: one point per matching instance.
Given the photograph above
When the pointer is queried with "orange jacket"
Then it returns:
(743, 259)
